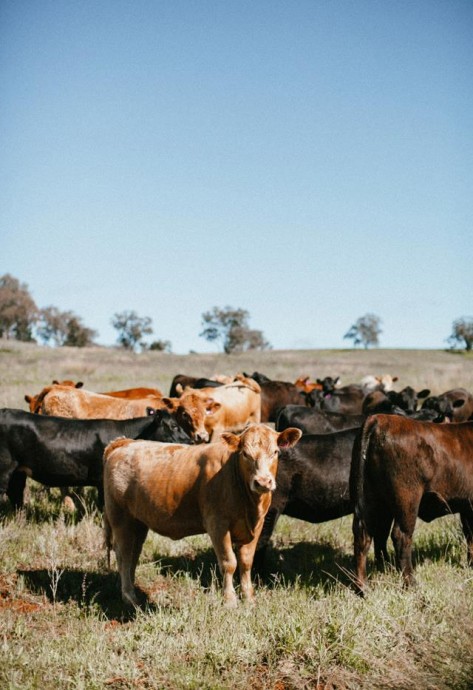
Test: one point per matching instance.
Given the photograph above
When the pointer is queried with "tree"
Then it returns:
(63, 328)
(161, 346)
(131, 329)
(18, 311)
(462, 333)
(231, 327)
(365, 331)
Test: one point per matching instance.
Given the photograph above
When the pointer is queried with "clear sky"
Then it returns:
(307, 160)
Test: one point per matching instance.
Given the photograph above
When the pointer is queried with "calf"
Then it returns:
(67, 452)
(223, 489)
(312, 484)
(403, 469)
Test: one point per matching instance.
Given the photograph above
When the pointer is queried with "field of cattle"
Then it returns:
(62, 622)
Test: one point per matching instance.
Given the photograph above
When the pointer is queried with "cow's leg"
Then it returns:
(361, 545)
(380, 528)
(16, 489)
(270, 520)
(467, 524)
(401, 534)
(227, 562)
(245, 555)
(128, 538)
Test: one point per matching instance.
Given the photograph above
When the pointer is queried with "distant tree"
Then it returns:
(18, 311)
(63, 328)
(131, 329)
(230, 326)
(462, 333)
(78, 335)
(161, 346)
(365, 331)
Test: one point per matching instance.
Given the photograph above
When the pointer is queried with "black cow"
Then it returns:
(407, 398)
(404, 469)
(180, 381)
(67, 452)
(312, 484)
(346, 400)
(311, 421)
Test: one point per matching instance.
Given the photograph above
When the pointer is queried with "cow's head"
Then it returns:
(258, 448)
(191, 411)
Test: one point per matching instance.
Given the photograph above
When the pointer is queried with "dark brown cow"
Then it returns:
(456, 403)
(223, 489)
(403, 469)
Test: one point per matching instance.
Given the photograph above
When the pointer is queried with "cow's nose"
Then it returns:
(264, 484)
(202, 437)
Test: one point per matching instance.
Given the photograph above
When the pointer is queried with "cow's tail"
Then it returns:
(358, 464)
(107, 533)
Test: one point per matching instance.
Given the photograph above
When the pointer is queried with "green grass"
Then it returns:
(62, 623)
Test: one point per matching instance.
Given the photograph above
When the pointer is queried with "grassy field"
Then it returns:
(62, 624)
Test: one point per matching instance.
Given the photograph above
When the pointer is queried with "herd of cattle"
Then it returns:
(227, 456)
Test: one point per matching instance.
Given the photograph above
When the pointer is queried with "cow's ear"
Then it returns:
(335, 381)
(395, 378)
(289, 437)
(55, 383)
(169, 402)
(28, 398)
(458, 403)
(211, 406)
(232, 440)
(179, 389)
(79, 384)
(424, 393)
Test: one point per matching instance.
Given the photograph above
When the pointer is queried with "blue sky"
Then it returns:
(309, 161)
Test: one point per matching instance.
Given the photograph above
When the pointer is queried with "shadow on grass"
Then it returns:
(87, 589)
(307, 564)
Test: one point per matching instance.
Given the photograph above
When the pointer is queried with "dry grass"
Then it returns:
(62, 623)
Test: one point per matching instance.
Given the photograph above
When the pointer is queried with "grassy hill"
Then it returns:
(61, 620)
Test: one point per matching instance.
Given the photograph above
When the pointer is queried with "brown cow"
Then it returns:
(191, 411)
(222, 489)
(237, 404)
(304, 384)
(135, 393)
(403, 469)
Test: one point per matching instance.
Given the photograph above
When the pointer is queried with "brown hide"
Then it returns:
(221, 488)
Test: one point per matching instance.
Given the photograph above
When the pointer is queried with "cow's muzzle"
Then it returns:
(263, 484)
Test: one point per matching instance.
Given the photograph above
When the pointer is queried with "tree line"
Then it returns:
(21, 319)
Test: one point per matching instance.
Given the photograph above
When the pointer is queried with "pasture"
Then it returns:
(62, 623)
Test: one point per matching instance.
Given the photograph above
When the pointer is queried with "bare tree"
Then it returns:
(230, 326)
(365, 331)
(462, 333)
(18, 311)
(131, 329)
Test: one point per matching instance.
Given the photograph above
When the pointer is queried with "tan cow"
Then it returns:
(222, 489)
(237, 404)
(64, 401)
(34, 401)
